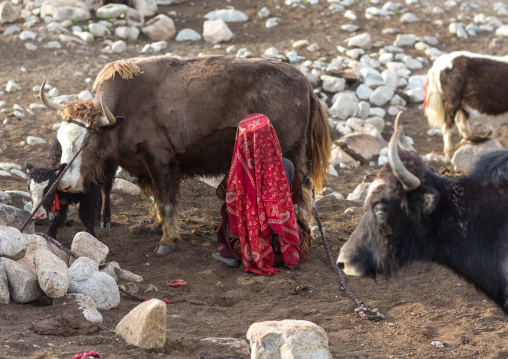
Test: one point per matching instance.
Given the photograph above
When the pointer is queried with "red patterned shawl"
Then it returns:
(258, 197)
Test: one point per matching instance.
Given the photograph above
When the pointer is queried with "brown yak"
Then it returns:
(177, 118)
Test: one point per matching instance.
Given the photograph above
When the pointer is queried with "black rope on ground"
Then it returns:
(34, 210)
(363, 310)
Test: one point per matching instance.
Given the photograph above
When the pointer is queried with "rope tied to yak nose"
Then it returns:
(53, 186)
(363, 309)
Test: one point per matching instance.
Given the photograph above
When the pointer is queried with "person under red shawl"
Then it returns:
(258, 222)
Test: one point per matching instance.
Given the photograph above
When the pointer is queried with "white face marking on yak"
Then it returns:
(71, 137)
(373, 187)
(37, 193)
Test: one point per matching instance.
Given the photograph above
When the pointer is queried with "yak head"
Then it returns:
(39, 181)
(398, 207)
(85, 125)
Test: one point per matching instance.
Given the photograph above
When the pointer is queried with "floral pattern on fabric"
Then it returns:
(258, 198)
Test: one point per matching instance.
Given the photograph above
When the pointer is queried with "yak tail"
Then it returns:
(125, 68)
(319, 144)
(433, 102)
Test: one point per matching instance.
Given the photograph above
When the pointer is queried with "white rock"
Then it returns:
(61, 10)
(84, 35)
(234, 346)
(349, 27)
(7, 166)
(85, 95)
(32, 140)
(53, 45)
(146, 7)
(86, 245)
(349, 14)
(464, 158)
(27, 35)
(160, 28)
(288, 339)
(127, 32)
(188, 35)
(332, 171)
(119, 46)
(52, 273)
(12, 86)
(371, 77)
(12, 245)
(23, 283)
(272, 22)
(5, 296)
(8, 12)
(382, 95)
(366, 146)
(98, 30)
(216, 31)
(359, 194)
(363, 92)
(145, 325)
(264, 13)
(363, 41)
(125, 187)
(362, 110)
(502, 31)
(408, 17)
(85, 278)
(333, 84)
(344, 106)
(111, 11)
(5, 198)
(227, 15)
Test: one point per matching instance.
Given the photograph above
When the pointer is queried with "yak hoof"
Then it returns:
(106, 225)
(163, 249)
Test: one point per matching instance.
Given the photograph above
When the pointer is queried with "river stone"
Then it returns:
(11, 216)
(296, 339)
(160, 28)
(79, 303)
(188, 35)
(111, 11)
(23, 283)
(359, 194)
(344, 105)
(338, 156)
(146, 7)
(86, 245)
(464, 158)
(215, 31)
(235, 346)
(8, 12)
(85, 278)
(5, 297)
(145, 325)
(5, 198)
(33, 243)
(12, 245)
(125, 187)
(61, 10)
(52, 273)
(365, 145)
(227, 15)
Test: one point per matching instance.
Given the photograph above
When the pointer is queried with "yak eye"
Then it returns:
(381, 211)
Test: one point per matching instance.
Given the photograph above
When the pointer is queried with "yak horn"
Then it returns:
(108, 119)
(403, 141)
(49, 104)
(408, 180)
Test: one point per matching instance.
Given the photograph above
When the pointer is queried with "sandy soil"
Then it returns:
(422, 304)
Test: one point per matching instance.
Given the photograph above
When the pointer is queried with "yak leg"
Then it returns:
(105, 211)
(463, 125)
(447, 139)
(88, 208)
(166, 187)
(58, 220)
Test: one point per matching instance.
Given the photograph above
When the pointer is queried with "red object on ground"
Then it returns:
(91, 354)
(178, 283)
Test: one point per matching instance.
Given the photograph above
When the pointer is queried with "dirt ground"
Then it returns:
(422, 304)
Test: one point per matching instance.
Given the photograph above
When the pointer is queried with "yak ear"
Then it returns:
(28, 167)
(119, 122)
